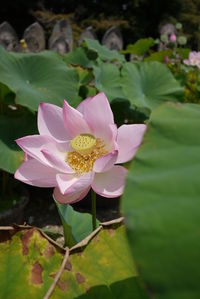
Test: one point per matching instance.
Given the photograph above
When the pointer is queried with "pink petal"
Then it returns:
(113, 137)
(106, 162)
(34, 173)
(186, 61)
(33, 144)
(109, 136)
(83, 105)
(192, 55)
(74, 121)
(27, 157)
(111, 183)
(129, 138)
(73, 183)
(68, 199)
(50, 121)
(56, 154)
(98, 114)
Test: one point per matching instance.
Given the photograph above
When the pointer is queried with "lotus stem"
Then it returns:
(4, 184)
(1, 105)
(93, 197)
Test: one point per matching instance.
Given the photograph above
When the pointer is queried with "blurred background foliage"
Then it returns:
(136, 18)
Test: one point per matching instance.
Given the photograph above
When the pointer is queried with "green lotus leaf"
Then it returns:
(41, 77)
(79, 57)
(12, 128)
(140, 47)
(28, 264)
(77, 226)
(100, 268)
(162, 203)
(160, 56)
(148, 84)
(103, 269)
(103, 52)
(108, 80)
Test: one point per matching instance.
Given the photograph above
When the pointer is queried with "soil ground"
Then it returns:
(41, 211)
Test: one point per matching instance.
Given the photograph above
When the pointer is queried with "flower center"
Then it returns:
(87, 149)
(83, 143)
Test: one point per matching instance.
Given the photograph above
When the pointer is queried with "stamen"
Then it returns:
(83, 162)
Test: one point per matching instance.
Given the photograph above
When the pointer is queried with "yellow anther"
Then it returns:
(83, 162)
(83, 143)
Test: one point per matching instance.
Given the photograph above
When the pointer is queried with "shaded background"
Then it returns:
(136, 19)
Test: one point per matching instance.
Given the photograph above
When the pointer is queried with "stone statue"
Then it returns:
(166, 31)
(34, 38)
(61, 39)
(87, 33)
(112, 39)
(8, 37)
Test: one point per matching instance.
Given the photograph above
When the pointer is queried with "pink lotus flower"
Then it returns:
(194, 59)
(78, 149)
(172, 38)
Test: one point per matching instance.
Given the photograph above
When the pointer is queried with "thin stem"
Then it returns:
(4, 184)
(93, 197)
(1, 100)
(1, 105)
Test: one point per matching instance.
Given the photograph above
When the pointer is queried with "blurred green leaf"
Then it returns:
(104, 53)
(161, 203)
(41, 77)
(4, 91)
(78, 57)
(12, 128)
(183, 52)
(108, 80)
(159, 56)
(85, 76)
(140, 47)
(148, 84)
(87, 91)
(124, 112)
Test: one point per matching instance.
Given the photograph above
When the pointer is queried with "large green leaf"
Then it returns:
(125, 113)
(107, 79)
(76, 226)
(104, 269)
(36, 78)
(140, 47)
(99, 268)
(160, 55)
(28, 262)
(103, 52)
(12, 128)
(79, 57)
(148, 84)
(162, 203)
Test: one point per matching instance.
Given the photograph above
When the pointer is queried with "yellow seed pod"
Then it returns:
(83, 143)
